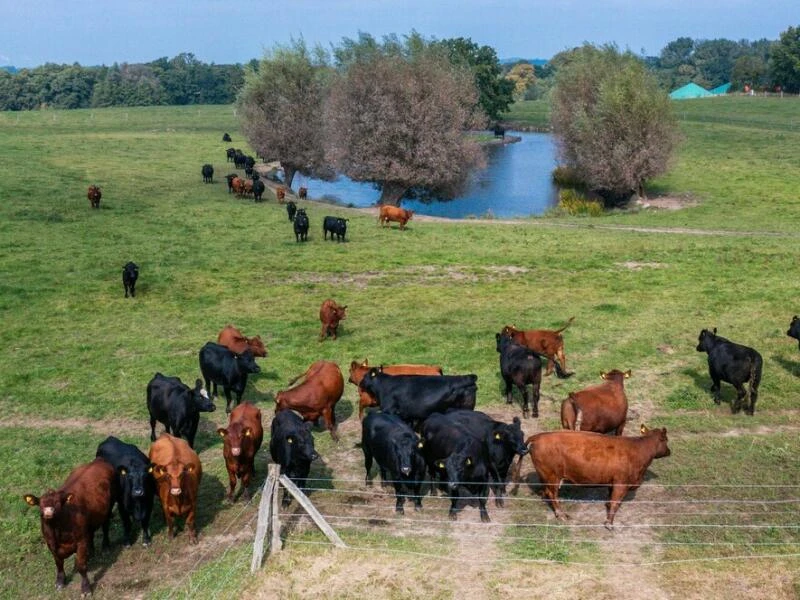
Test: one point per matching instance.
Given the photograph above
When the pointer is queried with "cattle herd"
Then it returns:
(423, 432)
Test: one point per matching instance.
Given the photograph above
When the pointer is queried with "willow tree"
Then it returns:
(613, 124)
(397, 114)
(280, 109)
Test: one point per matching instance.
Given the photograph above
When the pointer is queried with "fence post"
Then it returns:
(312, 512)
(264, 506)
(275, 544)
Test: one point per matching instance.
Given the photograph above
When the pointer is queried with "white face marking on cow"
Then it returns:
(204, 393)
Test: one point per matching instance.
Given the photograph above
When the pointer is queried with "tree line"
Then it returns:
(177, 81)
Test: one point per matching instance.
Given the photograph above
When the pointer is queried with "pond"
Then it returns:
(515, 183)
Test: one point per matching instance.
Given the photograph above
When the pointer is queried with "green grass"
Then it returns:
(75, 356)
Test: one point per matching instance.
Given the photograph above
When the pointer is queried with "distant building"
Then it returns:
(692, 90)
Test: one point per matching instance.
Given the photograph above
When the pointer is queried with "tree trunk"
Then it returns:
(392, 192)
(288, 175)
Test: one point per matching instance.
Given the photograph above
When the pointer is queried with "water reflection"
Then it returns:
(515, 183)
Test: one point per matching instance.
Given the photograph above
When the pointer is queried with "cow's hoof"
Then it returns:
(609, 526)
(485, 519)
(499, 502)
(453, 516)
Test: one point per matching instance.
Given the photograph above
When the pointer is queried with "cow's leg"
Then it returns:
(231, 483)
(226, 390)
(562, 359)
(126, 526)
(715, 388)
(81, 561)
(509, 396)
(618, 430)
(330, 422)
(60, 576)
(323, 332)
(537, 381)
(146, 529)
(170, 524)
(550, 366)
(453, 514)
(618, 492)
(741, 393)
(190, 526)
(133, 290)
(483, 495)
(367, 463)
(246, 476)
(750, 407)
(526, 402)
(152, 429)
(400, 498)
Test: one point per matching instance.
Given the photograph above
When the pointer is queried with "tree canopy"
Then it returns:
(614, 125)
(784, 60)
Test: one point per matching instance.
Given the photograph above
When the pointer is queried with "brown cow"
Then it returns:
(587, 458)
(177, 471)
(247, 187)
(94, 194)
(280, 194)
(600, 408)
(241, 441)
(302, 193)
(548, 342)
(71, 514)
(358, 370)
(316, 396)
(237, 185)
(330, 314)
(394, 213)
(235, 341)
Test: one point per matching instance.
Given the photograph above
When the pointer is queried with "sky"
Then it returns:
(102, 32)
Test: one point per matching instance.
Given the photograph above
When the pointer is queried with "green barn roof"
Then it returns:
(690, 90)
(721, 90)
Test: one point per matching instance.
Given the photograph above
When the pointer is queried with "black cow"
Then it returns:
(208, 173)
(336, 226)
(794, 329)
(238, 159)
(230, 153)
(499, 131)
(291, 445)
(130, 273)
(396, 448)
(734, 363)
(503, 440)
(291, 209)
(258, 188)
(229, 178)
(249, 165)
(301, 225)
(459, 460)
(521, 366)
(135, 485)
(177, 406)
(414, 397)
(226, 138)
(221, 366)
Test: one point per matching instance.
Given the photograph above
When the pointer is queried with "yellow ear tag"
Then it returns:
(150, 470)
(497, 436)
(290, 440)
(469, 462)
(441, 465)
(123, 472)
(419, 445)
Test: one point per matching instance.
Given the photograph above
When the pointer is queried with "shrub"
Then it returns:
(574, 203)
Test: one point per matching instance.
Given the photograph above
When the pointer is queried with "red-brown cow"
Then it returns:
(358, 370)
(280, 194)
(241, 441)
(316, 396)
(394, 213)
(235, 341)
(587, 458)
(548, 342)
(71, 514)
(177, 471)
(94, 194)
(330, 314)
(600, 408)
(237, 185)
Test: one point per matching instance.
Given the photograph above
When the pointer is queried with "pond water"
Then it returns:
(515, 183)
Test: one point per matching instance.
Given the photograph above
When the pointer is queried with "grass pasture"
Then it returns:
(716, 517)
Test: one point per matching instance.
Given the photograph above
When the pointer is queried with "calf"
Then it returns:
(226, 137)
(208, 173)
(130, 273)
(544, 341)
(588, 458)
(291, 209)
(600, 408)
(336, 226)
(504, 441)
(301, 225)
(459, 460)
(177, 472)
(316, 396)
(794, 329)
(358, 370)
(71, 514)
(94, 194)
(415, 397)
(393, 213)
(291, 445)
(733, 363)
(258, 189)
(330, 313)
(241, 441)
(135, 485)
(302, 193)
(522, 367)
(177, 406)
(235, 341)
(228, 369)
(396, 448)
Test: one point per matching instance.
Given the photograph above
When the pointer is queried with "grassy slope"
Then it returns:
(73, 351)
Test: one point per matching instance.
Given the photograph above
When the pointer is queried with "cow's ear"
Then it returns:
(643, 429)
(516, 421)
(198, 384)
(290, 440)
(627, 374)
(31, 499)
(714, 331)
(222, 432)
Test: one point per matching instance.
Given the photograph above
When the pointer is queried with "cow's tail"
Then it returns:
(755, 380)
(304, 374)
(567, 324)
(561, 373)
(570, 414)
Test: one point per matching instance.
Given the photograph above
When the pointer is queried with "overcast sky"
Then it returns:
(94, 32)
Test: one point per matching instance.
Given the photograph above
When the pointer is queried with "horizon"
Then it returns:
(99, 33)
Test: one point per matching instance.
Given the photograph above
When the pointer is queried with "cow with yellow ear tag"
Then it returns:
(241, 441)
(177, 472)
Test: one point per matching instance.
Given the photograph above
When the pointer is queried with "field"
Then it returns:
(718, 517)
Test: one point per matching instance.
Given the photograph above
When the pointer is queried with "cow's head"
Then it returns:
(662, 449)
(339, 312)
(615, 375)
(299, 443)
(200, 399)
(794, 329)
(239, 437)
(357, 371)
(706, 340)
(247, 362)
(456, 466)
(406, 452)
(173, 475)
(136, 485)
(409, 214)
(256, 346)
(51, 503)
(502, 340)
(510, 436)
